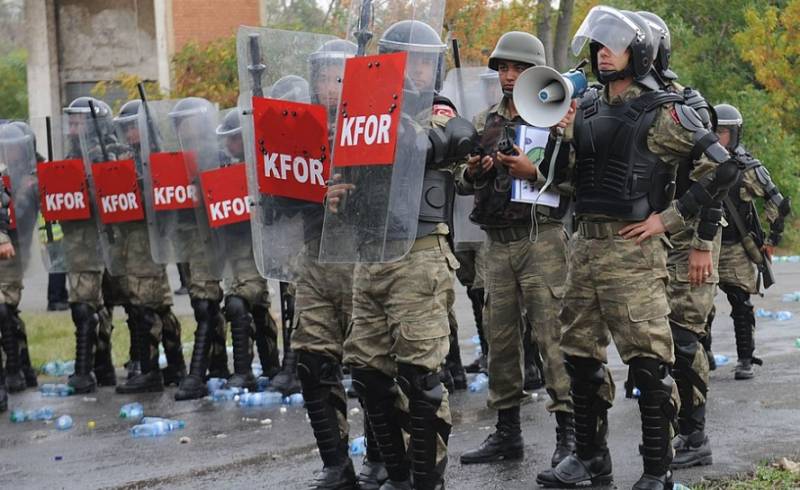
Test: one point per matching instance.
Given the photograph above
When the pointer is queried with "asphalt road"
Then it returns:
(229, 447)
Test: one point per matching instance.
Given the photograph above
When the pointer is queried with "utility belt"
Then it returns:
(600, 230)
(509, 234)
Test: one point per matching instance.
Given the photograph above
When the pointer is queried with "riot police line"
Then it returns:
(337, 175)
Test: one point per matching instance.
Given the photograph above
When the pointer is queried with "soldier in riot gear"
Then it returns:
(147, 293)
(246, 292)
(93, 364)
(738, 278)
(17, 164)
(616, 285)
(539, 282)
(400, 331)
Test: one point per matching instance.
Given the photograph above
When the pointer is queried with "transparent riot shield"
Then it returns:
(286, 142)
(381, 144)
(472, 90)
(171, 186)
(18, 170)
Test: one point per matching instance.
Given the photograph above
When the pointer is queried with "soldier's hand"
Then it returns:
(644, 229)
(475, 162)
(7, 251)
(701, 265)
(519, 166)
(769, 250)
(569, 117)
(337, 192)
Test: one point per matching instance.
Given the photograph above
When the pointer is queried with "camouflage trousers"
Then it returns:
(472, 266)
(524, 276)
(736, 268)
(616, 289)
(400, 316)
(690, 307)
(323, 308)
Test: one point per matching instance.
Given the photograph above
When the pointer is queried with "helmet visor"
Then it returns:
(607, 26)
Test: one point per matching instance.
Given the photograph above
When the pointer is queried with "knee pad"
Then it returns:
(316, 370)
(371, 384)
(420, 384)
(235, 307)
(687, 344)
(585, 370)
(82, 312)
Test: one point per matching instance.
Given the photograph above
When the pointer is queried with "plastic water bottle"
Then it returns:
(782, 316)
(680, 486)
(150, 430)
(257, 369)
(44, 413)
(797, 343)
(347, 383)
(64, 422)
(59, 389)
(172, 424)
(358, 446)
(791, 297)
(479, 383)
(636, 393)
(262, 383)
(264, 399)
(133, 411)
(762, 313)
(793, 258)
(226, 394)
(720, 359)
(215, 384)
(476, 339)
(295, 399)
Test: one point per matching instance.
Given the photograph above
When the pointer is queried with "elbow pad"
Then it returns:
(710, 218)
(454, 142)
(710, 188)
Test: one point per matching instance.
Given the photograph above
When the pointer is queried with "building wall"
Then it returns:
(203, 20)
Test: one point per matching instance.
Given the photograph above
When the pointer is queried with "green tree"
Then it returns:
(14, 85)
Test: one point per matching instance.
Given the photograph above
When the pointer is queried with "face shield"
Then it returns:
(607, 26)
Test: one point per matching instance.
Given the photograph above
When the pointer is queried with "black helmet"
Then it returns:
(730, 118)
(231, 124)
(617, 30)
(660, 29)
(292, 88)
(128, 112)
(416, 38)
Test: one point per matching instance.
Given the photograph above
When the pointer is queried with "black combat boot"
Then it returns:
(373, 471)
(147, 351)
(173, 348)
(319, 376)
(104, 371)
(565, 437)
(86, 321)
(591, 463)
(218, 353)
(286, 380)
(744, 324)
(657, 413)
(193, 385)
(379, 393)
(504, 444)
(8, 330)
(238, 314)
(266, 341)
(28, 372)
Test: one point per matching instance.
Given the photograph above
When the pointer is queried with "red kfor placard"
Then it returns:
(369, 111)
(225, 195)
(118, 195)
(172, 188)
(12, 218)
(63, 191)
(292, 150)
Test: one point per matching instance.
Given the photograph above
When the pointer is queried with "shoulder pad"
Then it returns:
(694, 99)
(762, 174)
(590, 96)
(688, 117)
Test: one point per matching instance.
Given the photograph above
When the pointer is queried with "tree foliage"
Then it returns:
(13, 85)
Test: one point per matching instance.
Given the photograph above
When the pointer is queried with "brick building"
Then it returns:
(73, 44)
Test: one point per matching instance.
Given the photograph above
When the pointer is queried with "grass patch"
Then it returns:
(766, 476)
(51, 336)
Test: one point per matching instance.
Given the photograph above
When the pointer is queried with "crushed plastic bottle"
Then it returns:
(226, 394)
(680, 486)
(257, 369)
(44, 413)
(721, 360)
(295, 400)
(58, 368)
(56, 389)
(215, 384)
(358, 446)
(151, 430)
(64, 422)
(133, 411)
(762, 313)
(479, 383)
(262, 383)
(793, 258)
(791, 297)
(267, 398)
(476, 339)
(782, 316)
(171, 423)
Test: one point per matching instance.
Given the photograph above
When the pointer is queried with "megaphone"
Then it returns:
(542, 95)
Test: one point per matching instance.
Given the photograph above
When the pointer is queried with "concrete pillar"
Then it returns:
(164, 44)
(41, 41)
